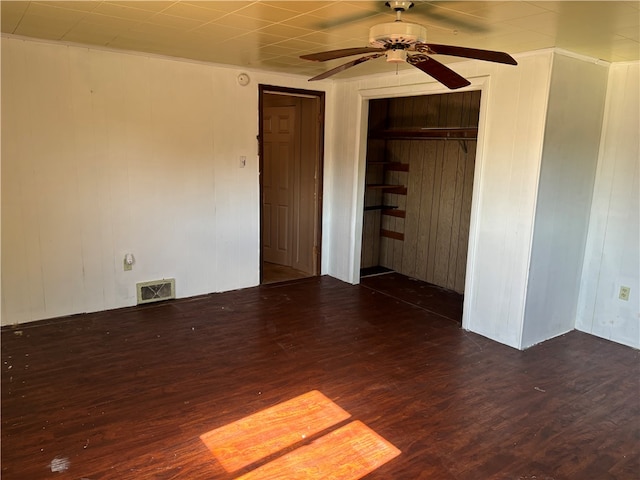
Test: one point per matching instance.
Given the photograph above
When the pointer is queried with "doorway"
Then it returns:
(419, 183)
(290, 147)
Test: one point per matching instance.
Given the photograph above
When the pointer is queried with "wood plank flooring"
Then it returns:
(274, 273)
(127, 394)
(434, 299)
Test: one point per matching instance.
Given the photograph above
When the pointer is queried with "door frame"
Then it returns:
(481, 83)
(319, 96)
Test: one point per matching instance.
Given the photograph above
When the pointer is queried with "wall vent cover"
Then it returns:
(156, 290)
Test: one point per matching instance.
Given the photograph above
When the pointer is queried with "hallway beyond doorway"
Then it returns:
(273, 273)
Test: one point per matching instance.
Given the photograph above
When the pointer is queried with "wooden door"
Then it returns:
(277, 183)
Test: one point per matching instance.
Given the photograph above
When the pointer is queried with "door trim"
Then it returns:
(481, 83)
(296, 92)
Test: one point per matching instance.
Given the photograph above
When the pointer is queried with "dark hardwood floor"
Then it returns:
(127, 394)
(434, 299)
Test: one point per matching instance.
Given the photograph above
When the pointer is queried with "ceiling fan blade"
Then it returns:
(475, 53)
(343, 52)
(344, 66)
(440, 72)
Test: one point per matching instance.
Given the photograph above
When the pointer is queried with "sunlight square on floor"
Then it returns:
(257, 436)
(347, 453)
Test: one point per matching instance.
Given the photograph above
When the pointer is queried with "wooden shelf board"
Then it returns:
(394, 213)
(463, 133)
(382, 186)
(390, 234)
(380, 207)
(396, 190)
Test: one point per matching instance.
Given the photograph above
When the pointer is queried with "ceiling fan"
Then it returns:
(406, 42)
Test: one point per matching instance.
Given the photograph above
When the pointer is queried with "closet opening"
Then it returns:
(420, 165)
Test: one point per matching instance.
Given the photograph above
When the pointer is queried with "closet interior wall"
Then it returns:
(419, 176)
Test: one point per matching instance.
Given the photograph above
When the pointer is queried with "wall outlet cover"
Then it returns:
(624, 293)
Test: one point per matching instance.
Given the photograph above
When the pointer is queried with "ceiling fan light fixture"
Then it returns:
(387, 34)
(399, 6)
(396, 56)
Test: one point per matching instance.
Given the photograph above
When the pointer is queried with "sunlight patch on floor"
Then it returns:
(349, 452)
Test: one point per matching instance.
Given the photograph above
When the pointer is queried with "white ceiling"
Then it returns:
(271, 35)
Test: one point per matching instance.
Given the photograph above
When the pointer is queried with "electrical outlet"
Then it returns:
(624, 293)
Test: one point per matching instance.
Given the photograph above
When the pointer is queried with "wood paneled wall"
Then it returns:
(370, 256)
(434, 232)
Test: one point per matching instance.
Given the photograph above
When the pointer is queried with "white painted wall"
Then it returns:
(529, 217)
(569, 158)
(511, 128)
(611, 258)
(106, 153)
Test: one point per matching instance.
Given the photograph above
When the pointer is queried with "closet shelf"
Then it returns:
(431, 133)
(394, 212)
(393, 189)
(382, 186)
(380, 207)
(397, 189)
(389, 210)
(390, 234)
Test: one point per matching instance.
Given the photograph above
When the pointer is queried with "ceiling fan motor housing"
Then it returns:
(400, 35)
